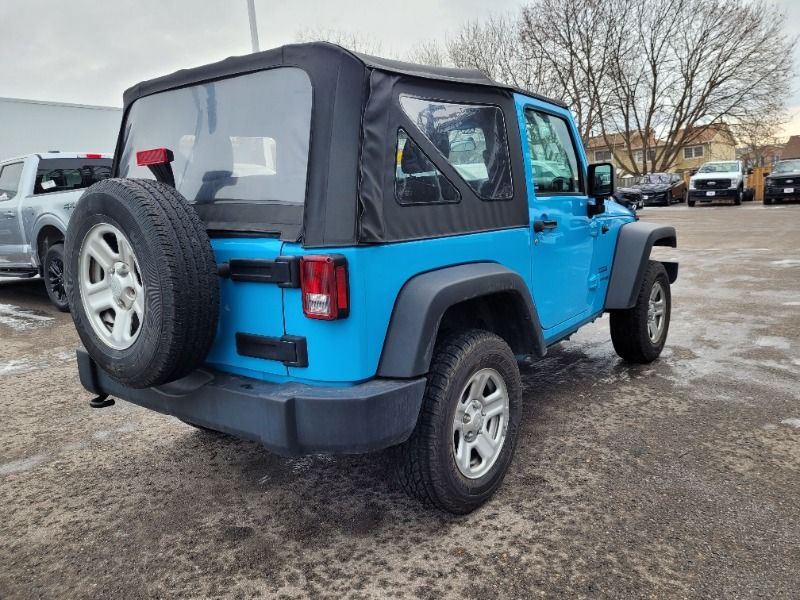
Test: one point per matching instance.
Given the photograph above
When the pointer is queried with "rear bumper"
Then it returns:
(287, 418)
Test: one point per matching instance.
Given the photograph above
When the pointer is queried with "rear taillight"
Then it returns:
(323, 283)
(92, 156)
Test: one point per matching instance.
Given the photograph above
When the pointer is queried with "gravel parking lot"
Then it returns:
(677, 479)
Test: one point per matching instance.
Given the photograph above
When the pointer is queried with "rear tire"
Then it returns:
(767, 201)
(690, 203)
(637, 333)
(53, 273)
(461, 448)
(142, 281)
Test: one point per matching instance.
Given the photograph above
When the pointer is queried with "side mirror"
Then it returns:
(749, 171)
(601, 180)
(764, 174)
(601, 186)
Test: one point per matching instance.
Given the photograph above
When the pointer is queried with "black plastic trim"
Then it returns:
(284, 270)
(423, 300)
(291, 350)
(634, 243)
(288, 418)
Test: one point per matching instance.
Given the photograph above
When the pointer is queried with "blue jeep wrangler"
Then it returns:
(328, 252)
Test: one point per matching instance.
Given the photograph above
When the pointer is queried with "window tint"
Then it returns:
(242, 139)
(471, 137)
(65, 174)
(553, 159)
(417, 180)
(9, 180)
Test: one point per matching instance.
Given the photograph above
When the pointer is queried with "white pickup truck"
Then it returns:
(37, 195)
(720, 180)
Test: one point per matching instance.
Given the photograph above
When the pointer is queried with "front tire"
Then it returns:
(465, 436)
(737, 200)
(690, 203)
(639, 333)
(53, 273)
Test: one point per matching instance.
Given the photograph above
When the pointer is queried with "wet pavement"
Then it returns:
(676, 479)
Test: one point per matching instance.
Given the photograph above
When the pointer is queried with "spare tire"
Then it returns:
(142, 282)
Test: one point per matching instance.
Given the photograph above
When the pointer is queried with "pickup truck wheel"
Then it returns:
(639, 333)
(737, 199)
(53, 270)
(464, 440)
(141, 279)
(690, 203)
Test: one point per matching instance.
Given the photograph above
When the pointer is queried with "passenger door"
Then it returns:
(12, 240)
(562, 232)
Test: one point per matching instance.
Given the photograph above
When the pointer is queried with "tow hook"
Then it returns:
(101, 401)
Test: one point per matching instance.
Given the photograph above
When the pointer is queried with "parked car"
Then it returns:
(783, 183)
(726, 180)
(661, 188)
(631, 198)
(334, 303)
(37, 195)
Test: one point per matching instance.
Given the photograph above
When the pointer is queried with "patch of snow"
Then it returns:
(23, 464)
(786, 262)
(20, 319)
(791, 423)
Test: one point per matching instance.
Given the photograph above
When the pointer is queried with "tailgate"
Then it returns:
(246, 307)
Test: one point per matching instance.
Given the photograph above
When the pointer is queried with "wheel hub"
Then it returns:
(473, 420)
(480, 423)
(121, 282)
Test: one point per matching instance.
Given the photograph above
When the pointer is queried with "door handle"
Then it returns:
(10, 214)
(540, 226)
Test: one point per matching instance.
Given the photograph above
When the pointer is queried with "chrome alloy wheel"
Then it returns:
(656, 310)
(111, 286)
(480, 423)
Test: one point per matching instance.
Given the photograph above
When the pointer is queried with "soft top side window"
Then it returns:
(471, 137)
(554, 161)
(417, 180)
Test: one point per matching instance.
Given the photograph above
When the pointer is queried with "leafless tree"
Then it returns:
(761, 134)
(429, 53)
(649, 76)
(352, 40)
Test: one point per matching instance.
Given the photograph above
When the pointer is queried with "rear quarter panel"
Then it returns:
(348, 350)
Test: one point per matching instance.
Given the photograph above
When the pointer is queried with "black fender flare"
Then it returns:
(423, 300)
(634, 243)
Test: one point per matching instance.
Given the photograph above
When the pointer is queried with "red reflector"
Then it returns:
(323, 285)
(93, 156)
(154, 156)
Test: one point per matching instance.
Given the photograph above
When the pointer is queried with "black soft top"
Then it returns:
(309, 54)
(353, 116)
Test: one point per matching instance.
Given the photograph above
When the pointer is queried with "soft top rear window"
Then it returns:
(239, 140)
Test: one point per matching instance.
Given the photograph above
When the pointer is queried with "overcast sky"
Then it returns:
(90, 51)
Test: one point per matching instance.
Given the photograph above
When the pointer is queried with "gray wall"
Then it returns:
(28, 126)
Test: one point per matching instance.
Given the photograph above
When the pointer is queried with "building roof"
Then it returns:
(618, 139)
(50, 103)
(702, 135)
(792, 148)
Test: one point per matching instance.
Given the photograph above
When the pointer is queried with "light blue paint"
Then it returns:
(567, 271)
